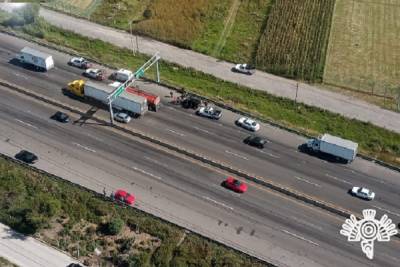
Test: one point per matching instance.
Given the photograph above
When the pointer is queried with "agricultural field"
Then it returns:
(364, 48)
(295, 39)
(83, 8)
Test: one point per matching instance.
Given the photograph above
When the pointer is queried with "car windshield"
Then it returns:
(237, 183)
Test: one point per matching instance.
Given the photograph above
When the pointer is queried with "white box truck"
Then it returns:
(37, 59)
(100, 92)
(335, 146)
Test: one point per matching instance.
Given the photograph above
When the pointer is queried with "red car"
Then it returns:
(235, 185)
(125, 197)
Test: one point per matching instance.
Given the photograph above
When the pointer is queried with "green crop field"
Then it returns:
(295, 39)
(364, 49)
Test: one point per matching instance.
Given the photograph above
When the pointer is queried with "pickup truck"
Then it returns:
(244, 68)
(209, 112)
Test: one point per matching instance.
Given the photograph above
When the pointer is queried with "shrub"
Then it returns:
(114, 227)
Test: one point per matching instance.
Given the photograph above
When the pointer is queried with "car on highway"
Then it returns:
(79, 62)
(362, 192)
(123, 196)
(61, 117)
(191, 102)
(96, 74)
(122, 117)
(209, 112)
(256, 141)
(248, 124)
(234, 185)
(26, 156)
(244, 68)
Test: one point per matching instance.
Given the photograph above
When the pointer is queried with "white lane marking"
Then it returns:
(269, 154)
(236, 155)
(306, 181)
(20, 75)
(84, 147)
(386, 210)
(175, 132)
(200, 129)
(27, 124)
(217, 202)
(300, 237)
(147, 173)
(337, 179)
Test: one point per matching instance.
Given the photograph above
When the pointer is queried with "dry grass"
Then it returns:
(364, 48)
(295, 39)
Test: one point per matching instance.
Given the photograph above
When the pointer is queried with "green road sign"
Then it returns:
(119, 91)
(139, 73)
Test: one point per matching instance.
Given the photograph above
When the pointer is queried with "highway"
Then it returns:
(279, 162)
(275, 227)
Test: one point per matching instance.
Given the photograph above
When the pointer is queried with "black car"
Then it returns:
(26, 156)
(74, 265)
(61, 117)
(191, 102)
(256, 141)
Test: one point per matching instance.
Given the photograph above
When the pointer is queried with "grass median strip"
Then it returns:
(374, 141)
(68, 216)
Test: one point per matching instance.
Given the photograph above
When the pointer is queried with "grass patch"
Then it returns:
(373, 141)
(295, 39)
(364, 51)
(66, 215)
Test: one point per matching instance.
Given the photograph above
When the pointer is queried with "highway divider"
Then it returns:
(182, 90)
(173, 147)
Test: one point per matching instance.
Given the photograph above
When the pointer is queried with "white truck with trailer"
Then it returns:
(335, 146)
(35, 58)
(132, 103)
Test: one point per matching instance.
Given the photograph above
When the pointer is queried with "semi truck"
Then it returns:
(35, 58)
(334, 146)
(153, 101)
(134, 104)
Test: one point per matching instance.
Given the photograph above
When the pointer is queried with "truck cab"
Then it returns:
(313, 144)
(77, 87)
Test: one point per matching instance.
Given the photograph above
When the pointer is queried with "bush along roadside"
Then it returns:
(373, 141)
(68, 216)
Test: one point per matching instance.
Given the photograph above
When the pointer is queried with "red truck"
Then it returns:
(153, 101)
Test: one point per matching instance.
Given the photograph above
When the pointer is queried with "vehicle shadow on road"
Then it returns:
(87, 116)
(329, 158)
(18, 63)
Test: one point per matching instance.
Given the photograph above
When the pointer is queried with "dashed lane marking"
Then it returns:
(27, 124)
(307, 181)
(146, 173)
(218, 203)
(300, 237)
(236, 155)
(175, 132)
(84, 147)
(337, 179)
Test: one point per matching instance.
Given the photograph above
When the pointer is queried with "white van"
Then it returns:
(123, 75)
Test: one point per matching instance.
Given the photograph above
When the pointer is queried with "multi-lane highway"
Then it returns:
(272, 226)
(279, 162)
(304, 232)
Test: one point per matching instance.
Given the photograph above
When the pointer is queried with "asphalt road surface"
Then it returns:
(28, 252)
(311, 95)
(279, 162)
(260, 222)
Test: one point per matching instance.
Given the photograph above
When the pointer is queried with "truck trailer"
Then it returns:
(37, 59)
(335, 146)
(134, 104)
(153, 101)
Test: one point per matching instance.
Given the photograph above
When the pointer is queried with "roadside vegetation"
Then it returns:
(5, 263)
(295, 39)
(364, 51)
(373, 141)
(73, 218)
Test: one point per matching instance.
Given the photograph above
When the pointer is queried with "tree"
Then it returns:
(114, 227)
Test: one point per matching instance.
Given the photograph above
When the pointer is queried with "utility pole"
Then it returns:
(137, 44)
(130, 25)
(297, 90)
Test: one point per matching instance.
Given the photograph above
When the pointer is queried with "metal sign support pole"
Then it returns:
(111, 113)
(158, 73)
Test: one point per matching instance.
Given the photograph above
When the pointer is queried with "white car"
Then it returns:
(363, 193)
(244, 68)
(248, 124)
(96, 74)
(79, 62)
(122, 117)
(210, 112)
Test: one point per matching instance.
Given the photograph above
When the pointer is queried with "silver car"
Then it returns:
(122, 117)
